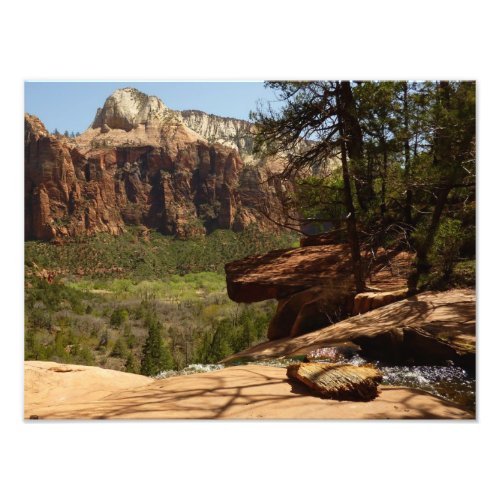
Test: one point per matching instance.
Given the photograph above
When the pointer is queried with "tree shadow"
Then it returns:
(239, 392)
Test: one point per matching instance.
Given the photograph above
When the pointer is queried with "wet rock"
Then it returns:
(335, 353)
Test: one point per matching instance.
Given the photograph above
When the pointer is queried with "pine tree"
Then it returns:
(316, 121)
(156, 356)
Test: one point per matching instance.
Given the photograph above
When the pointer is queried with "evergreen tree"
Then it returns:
(156, 356)
(407, 162)
(318, 120)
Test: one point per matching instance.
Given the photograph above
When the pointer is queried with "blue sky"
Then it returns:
(72, 105)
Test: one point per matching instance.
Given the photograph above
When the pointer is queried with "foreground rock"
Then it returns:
(246, 392)
(431, 327)
(342, 382)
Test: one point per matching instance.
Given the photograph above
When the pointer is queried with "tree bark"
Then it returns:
(442, 159)
(409, 194)
(352, 232)
(422, 263)
(383, 205)
(354, 140)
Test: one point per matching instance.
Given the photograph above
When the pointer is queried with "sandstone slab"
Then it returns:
(282, 273)
(243, 392)
(433, 325)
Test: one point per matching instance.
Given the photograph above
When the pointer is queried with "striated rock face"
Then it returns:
(140, 164)
(342, 382)
(227, 131)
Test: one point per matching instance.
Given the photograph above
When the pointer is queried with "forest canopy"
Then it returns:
(382, 163)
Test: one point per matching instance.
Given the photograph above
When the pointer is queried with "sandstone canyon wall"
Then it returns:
(142, 163)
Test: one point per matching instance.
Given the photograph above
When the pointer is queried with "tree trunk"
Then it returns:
(383, 205)
(354, 140)
(352, 232)
(422, 263)
(409, 194)
(442, 158)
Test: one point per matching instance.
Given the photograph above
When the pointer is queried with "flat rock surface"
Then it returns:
(55, 391)
(451, 315)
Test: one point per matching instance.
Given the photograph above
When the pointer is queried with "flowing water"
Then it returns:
(451, 383)
(448, 382)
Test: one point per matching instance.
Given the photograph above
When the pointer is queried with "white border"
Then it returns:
(222, 40)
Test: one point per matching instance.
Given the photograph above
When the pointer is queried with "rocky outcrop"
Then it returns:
(314, 285)
(138, 164)
(429, 327)
(229, 132)
(367, 301)
(128, 108)
(280, 274)
(338, 381)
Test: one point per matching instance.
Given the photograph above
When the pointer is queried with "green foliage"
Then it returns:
(118, 317)
(156, 355)
(120, 349)
(446, 248)
(131, 364)
(198, 321)
(409, 162)
(230, 335)
(130, 257)
(54, 296)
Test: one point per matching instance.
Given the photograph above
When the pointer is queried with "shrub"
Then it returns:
(446, 248)
(118, 317)
(120, 349)
(131, 364)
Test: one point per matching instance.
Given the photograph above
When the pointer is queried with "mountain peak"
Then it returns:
(127, 108)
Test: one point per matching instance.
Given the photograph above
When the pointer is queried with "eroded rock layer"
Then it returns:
(139, 163)
(431, 327)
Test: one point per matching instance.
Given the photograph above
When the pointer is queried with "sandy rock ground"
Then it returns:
(56, 391)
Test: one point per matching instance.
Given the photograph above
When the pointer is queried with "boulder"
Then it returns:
(367, 301)
(357, 383)
(309, 310)
(282, 273)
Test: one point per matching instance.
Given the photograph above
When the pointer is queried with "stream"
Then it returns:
(451, 383)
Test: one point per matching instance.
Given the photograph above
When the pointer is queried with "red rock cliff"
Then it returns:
(137, 164)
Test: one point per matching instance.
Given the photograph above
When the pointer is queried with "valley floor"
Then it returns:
(58, 391)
